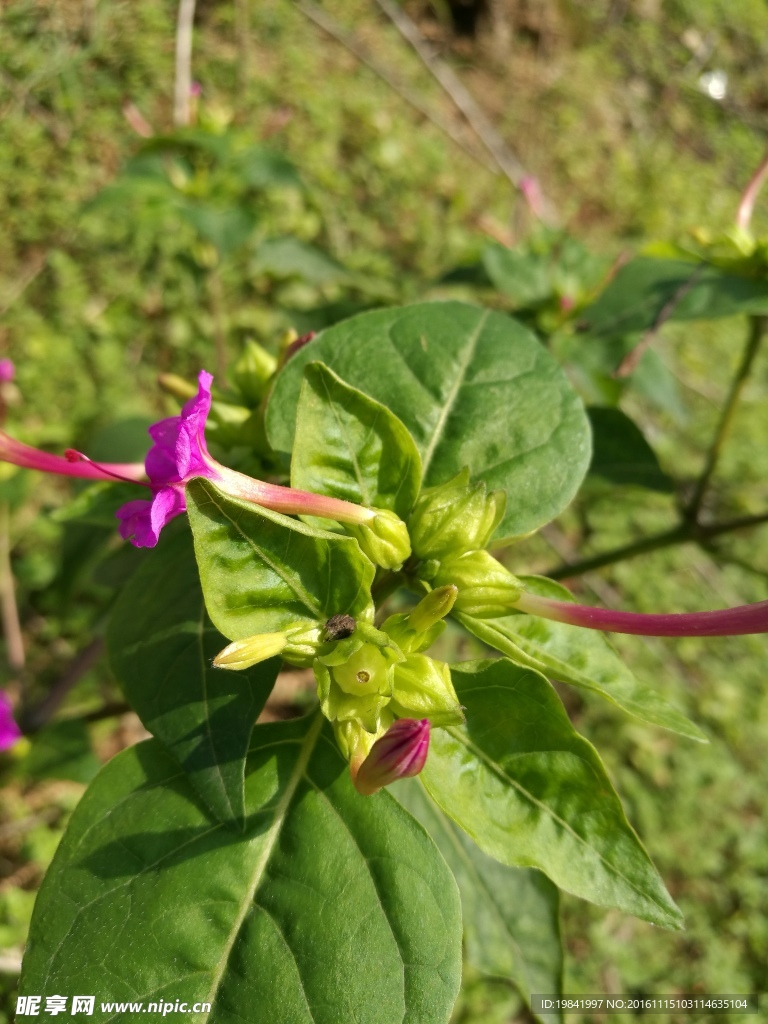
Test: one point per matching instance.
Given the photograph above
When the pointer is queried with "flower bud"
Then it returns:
(383, 538)
(253, 371)
(420, 629)
(242, 654)
(398, 754)
(455, 517)
(297, 644)
(423, 686)
(486, 589)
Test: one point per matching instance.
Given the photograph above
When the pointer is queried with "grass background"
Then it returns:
(601, 101)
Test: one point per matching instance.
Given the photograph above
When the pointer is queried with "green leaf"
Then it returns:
(61, 751)
(333, 907)
(510, 915)
(533, 793)
(474, 388)
(581, 657)
(524, 277)
(647, 288)
(262, 571)
(285, 258)
(161, 644)
(349, 446)
(621, 455)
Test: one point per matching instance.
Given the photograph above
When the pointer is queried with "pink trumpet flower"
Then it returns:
(180, 453)
(9, 731)
(400, 753)
(746, 618)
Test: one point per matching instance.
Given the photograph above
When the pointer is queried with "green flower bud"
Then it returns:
(420, 629)
(486, 589)
(297, 644)
(253, 371)
(242, 654)
(383, 538)
(455, 517)
(423, 689)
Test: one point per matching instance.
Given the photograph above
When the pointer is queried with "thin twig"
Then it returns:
(219, 325)
(749, 196)
(83, 661)
(243, 32)
(183, 83)
(28, 275)
(328, 25)
(683, 533)
(630, 361)
(756, 331)
(14, 640)
(506, 161)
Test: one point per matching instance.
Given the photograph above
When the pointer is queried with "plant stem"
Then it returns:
(756, 331)
(219, 329)
(183, 84)
(10, 613)
(82, 662)
(687, 532)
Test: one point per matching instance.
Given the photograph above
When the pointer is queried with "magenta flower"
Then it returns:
(9, 731)
(180, 453)
(7, 370)
(738, 621)
(398, 754)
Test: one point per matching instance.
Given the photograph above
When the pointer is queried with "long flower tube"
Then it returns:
(27, 457)
(739, 621)
(179, 454)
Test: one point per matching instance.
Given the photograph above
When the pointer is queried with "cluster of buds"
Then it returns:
(370, 683)
(450, 528)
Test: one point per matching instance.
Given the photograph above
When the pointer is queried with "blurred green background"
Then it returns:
(306, 189)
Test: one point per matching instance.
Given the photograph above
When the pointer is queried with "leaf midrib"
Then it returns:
(270, 839)
(450, 401)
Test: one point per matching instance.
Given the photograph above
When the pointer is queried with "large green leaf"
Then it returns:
(582, 657)
(262, 571)
(533, 793)
(473, 387)
(511, 915)
(349, 446)
(333, 907)
(161, 644)
(621, 455)
(647, 288)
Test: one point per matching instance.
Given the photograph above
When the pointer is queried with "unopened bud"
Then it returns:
(432, 608)
(297, 644)
(420, 629)
(253, 372)
(383, 538)
(486, 589)
(401, 752)
(423, 686)
(455, 517)
(242, 654)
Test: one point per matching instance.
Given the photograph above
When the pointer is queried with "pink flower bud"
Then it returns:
(398, 754)
(7, 370)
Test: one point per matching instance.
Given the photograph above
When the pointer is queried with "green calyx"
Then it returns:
(418, 630)
(486, 589)
(383, 538)
(354, 676)
(423, 689)
(455, 517)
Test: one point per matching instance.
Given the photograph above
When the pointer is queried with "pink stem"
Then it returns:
(288, 500)
(24, 455)
(746, 618)
(749, 196)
